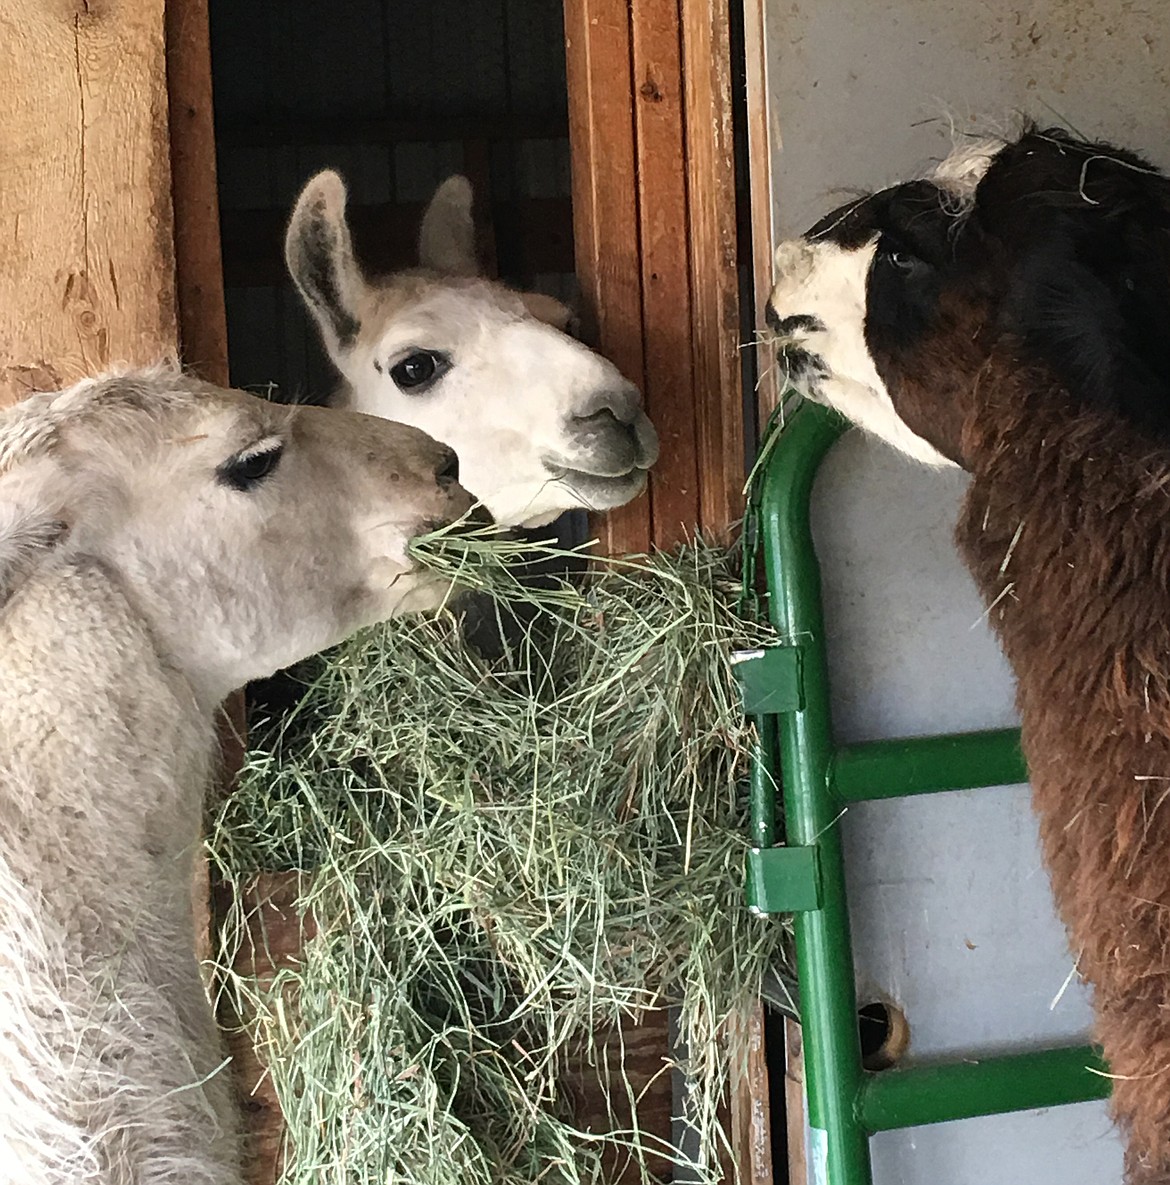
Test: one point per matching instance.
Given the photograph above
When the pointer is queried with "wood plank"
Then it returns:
(199, 271)
(751, 1127)
(794, 1102)
(86, 277)
(605, 211)
(663, 215)
(760, 142)
(273, 938)
(714, 263)
(640, 1052)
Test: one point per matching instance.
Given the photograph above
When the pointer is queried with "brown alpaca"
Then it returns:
(1011, 315)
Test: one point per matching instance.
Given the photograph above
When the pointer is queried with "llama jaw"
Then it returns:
(603, 492)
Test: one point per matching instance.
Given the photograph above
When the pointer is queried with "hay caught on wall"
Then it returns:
(505, 855)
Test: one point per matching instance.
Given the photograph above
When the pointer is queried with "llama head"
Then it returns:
(541, 423)
(248, 534)
(1051, 255)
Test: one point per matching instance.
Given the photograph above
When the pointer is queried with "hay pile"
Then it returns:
(506, 854)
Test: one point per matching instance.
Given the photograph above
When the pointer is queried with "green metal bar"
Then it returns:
(925, 765)
(845, 1103)
(764, 784)
(833, 1073)
(990, 1086)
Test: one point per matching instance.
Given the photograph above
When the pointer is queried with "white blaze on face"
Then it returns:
(827, 284)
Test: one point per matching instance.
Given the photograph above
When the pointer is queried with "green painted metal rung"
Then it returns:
(919, 1095)
(786, 690)
(927, 765)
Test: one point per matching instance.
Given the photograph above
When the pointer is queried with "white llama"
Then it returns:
(541, 423)
(161, 542)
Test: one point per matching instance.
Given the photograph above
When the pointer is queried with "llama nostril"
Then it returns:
(622, 403)
(605, 419)
(788, 326)
(447, 471)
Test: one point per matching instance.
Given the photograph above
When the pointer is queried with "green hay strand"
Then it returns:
(505, 857)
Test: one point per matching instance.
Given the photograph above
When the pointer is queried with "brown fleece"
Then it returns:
(1066, 529)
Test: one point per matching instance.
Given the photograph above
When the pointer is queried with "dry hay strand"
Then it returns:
(506, 856)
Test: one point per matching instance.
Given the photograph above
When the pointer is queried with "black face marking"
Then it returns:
(1085, 230)
(788, 326)
(1062, 255)
(246, 470)
(914, 234)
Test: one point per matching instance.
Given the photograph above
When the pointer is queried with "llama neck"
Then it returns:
(109, 1048)
(1066, 530)
(106, 751)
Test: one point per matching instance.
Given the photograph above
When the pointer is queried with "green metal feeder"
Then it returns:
(786, 690)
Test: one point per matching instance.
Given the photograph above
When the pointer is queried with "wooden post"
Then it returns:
(87, 275)
(598, 51)
(759, 131)
(654, 211)
(202, 314)
(654, 220)
(716, 331)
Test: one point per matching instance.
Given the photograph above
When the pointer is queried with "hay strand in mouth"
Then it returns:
(502, 857)
(490, 559)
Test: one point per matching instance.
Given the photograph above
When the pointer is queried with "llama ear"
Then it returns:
(552, 312)
(446, 239)
(319, 253)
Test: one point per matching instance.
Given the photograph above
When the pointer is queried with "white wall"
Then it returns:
(951, 907)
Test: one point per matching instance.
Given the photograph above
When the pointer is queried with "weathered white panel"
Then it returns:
(952, 913)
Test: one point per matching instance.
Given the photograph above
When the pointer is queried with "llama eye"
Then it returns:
(418, 370)
(247, 470)
(900, 260)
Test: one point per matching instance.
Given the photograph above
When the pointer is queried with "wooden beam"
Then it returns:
(663, 218)
(759, 131)
(794, 1101)
(654, 203)
(751, 1122)
(199, 271)
(598, 48)
(86, 274)
(716, 328)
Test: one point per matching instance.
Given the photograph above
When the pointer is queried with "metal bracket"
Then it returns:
(770, 679)
(784, 880)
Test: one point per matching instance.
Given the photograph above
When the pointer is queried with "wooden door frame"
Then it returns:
(655, 225)
(654, 219)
